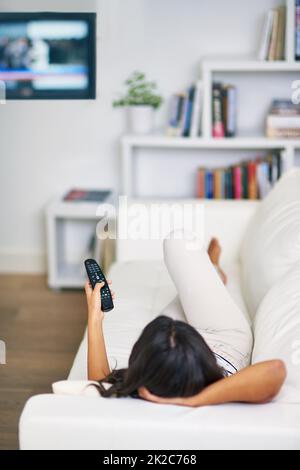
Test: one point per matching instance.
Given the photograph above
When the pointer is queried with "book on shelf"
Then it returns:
(188, 109)
(224, 110)
(297, 30)
(237, 182)
(87, 195)
(280, 44)
(272, 46)
(251, 179)
(283, 120)
(217, 183)
(209, 184)
(176, 114)
(230, 111)
(218, 129)
(195, 129)
(185, 112)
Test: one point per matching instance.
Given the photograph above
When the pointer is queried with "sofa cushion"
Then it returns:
(272, 241)
(277, 330)
(86, 388)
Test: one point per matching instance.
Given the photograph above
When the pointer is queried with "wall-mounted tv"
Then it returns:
(48, 55)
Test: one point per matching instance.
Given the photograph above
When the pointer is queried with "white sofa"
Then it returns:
(143, 289)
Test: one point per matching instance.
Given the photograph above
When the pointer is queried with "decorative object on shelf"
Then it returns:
(140, 119)
(185, 112)
(87, 195)
(297, 30)
(283, 120)
(141, 99)
(272, 45)
(248, 180)
(224, 106)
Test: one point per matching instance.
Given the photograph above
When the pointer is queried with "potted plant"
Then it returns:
(141, 99)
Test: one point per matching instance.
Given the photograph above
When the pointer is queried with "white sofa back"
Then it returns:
(226, 220)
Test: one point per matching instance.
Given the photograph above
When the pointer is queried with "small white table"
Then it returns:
(71, 238)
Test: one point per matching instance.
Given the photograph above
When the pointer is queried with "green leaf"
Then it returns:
(139, 92)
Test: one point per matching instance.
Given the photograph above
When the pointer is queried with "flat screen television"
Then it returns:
(48, 55)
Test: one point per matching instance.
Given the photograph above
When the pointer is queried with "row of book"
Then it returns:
(224, 110)
(283, 120)
(297, 31)
(248, 180)
(185, 112)
(272, 45)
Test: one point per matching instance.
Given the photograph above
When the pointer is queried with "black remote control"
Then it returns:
(95, 275)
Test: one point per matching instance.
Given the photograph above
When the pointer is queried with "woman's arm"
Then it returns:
(98, 367)
(259, 383)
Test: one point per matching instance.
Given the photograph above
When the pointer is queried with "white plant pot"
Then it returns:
(141, 119)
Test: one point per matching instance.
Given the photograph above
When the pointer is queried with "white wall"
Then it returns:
(49, 146)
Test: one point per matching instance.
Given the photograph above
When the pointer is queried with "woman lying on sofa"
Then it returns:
(203, 361)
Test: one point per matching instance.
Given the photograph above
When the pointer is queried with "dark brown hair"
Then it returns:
(170, 359)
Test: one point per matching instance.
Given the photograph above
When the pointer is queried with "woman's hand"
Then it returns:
(93, 298)
(146, 395)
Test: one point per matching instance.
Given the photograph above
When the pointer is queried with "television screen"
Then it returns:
(48, 55)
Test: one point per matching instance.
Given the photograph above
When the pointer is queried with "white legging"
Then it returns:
(205, 301)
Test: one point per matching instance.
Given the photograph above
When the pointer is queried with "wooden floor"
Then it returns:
(42, 330)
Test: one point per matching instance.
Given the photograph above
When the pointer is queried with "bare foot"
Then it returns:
(214, 252)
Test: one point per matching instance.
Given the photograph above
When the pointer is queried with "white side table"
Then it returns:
(71, 238)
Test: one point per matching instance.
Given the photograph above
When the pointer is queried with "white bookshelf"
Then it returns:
(247, 65)
(131, 144)
(258, 73)
(233, 70)
(160, 141)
